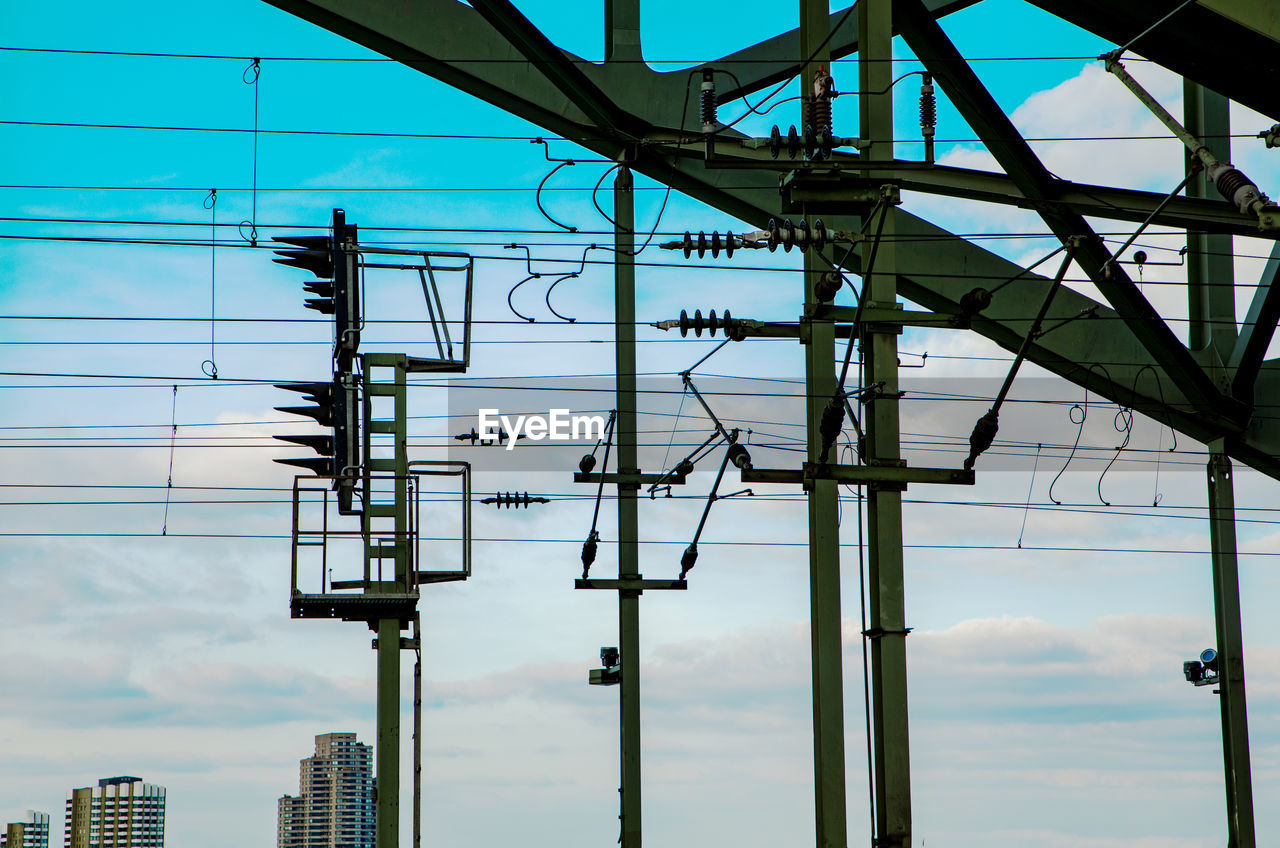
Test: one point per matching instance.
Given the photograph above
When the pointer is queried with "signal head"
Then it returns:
(315, 254)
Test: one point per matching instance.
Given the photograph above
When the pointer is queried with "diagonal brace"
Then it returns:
(1258, 329)
(556, 66)
(980, 110)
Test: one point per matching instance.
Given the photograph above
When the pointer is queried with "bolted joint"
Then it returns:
(589, 548)
(974, 301)
(984, 433)
(688, 560)
(827, 286)
(832, 422)
(1237, 188)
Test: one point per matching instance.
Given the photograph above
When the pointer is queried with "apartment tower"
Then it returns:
(334, 806)
(31, 832)
(120, 812)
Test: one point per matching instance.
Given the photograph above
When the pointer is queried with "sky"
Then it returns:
(144, 627)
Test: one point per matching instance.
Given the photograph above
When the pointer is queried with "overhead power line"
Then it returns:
(472, 60)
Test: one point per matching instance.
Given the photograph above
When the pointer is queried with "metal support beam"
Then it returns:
(838, 192)
(400, 550)
(1257, 331)
(417, 731)
(622, 31)
(388, 752)
(824, 532)
(435, 30)
(624, 288)
(776, 59)
(891, 738)
(557, 66)
(1210, 261)
(897, 476)
(1226, 608)
(631, 584)
(983, 114)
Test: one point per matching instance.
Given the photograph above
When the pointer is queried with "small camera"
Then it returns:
(1204, 671)
(611, 674)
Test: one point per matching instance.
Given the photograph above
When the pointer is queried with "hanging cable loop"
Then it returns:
(558, 281)
(537, 197)
(210, 366)
(512, 291)
(250, 77)
(1082, 411)
(1156, 494)
(1123, 422)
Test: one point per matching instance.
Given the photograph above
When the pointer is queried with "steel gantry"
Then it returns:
(1209, 390)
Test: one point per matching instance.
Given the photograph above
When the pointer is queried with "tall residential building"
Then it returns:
(334, 806)
(120, 812)
(31, 832)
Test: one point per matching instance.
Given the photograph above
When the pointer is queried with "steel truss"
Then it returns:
(645, 119)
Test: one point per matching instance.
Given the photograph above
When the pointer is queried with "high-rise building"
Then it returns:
(31, 832)
(120, 812)
(334, 805)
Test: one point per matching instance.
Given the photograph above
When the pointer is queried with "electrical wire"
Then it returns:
(467, 59)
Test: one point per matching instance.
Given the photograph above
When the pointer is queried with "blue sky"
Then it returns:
(1047, 702)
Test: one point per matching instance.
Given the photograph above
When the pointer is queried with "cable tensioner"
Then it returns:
(818, 135)
(485, 438)
(801, 235)
(707, 101)
(702, 244)
(785, 235)
(731, 326)
(513, 500)
(928, 115)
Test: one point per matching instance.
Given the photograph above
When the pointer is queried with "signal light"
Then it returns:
(334, 406)
(334, 259)
(315, 255)
(320, 394)
(320, 444)
(324, 303)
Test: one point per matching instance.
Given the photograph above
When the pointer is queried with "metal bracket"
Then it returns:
(869, 475)
(880, 632)
(872, 314)
(407, 643)
(630, 584)
(636, 479)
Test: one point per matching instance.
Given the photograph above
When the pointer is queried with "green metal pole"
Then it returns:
(824, 534)
(1226, 606)
(388, 629)
(628, 523)
(888, 629)
(1210, 266)
(388, 752)
(1212, 331)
